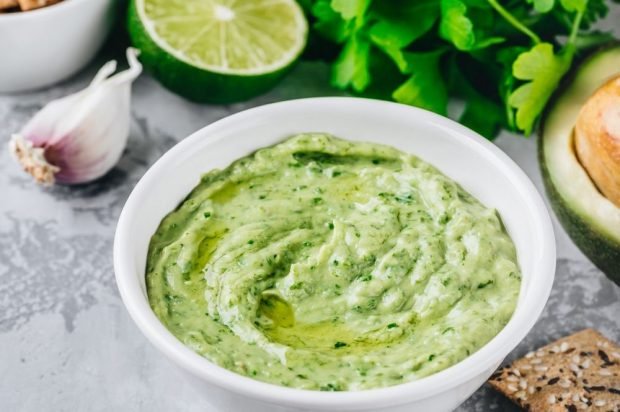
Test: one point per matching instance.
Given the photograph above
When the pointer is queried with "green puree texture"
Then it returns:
(324, 264)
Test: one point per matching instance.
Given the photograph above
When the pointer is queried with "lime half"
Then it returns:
(218, 50)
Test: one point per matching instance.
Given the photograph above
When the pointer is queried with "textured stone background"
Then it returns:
(66, 341)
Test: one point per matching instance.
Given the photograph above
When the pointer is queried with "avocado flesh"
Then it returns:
(591, 220)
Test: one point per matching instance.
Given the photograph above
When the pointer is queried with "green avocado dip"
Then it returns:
(324, 264)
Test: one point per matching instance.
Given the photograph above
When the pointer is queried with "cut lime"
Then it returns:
(218, 50)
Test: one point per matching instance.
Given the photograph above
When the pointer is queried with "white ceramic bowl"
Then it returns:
(479, 166)
(44, 46)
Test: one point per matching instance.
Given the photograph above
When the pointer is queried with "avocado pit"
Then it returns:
(597, 139)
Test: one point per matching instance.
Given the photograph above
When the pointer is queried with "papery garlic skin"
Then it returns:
(80, 137)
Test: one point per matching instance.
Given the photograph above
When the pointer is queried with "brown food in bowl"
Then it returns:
(8, 5)
(24, 5)
(597, 139)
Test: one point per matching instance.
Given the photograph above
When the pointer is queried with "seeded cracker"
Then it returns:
(578, 372)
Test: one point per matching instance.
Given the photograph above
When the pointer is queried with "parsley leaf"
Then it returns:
(457, 28)
(481, 113)
(351, 67)
(543, 70)
(425, 87)
(351, 9)
(506, 58)
(329, 23)
(542, 6)
(574, 5)
(393, 28)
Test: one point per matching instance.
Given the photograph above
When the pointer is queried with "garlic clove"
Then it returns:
(33, 160)
(79, 138)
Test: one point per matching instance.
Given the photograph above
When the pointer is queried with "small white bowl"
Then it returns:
(44, 46)
(478, 165)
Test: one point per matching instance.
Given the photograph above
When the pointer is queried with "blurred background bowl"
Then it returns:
(44, 46)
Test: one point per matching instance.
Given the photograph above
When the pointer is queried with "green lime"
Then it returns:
(218, 51)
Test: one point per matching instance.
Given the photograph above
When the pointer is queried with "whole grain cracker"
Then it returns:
(578, 372)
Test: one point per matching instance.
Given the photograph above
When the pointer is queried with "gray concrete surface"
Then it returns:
(66, 341)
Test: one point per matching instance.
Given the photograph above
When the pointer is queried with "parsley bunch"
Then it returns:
(503, 58)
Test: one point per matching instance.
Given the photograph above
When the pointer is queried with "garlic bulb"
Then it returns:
(80, 137)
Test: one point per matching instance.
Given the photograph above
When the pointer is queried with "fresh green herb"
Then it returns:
(449, 329)
(339, 344)
(406, 198)
(330, 387)
(392, 326)
(485, 284)
(502, 58)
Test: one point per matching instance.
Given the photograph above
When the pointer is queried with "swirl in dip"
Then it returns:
(325, 264)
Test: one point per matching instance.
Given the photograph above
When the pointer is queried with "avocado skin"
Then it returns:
(602, 251)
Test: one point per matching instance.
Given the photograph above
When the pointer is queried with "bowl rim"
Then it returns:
(41, 11)
(523, 319)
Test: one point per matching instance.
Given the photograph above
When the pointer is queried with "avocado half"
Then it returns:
(591, 220)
